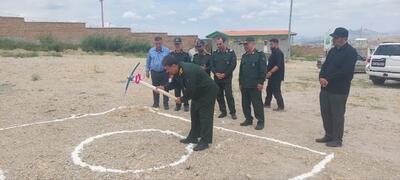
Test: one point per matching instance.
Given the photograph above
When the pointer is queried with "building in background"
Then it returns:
(262, 39)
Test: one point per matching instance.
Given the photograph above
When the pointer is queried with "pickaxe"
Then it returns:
(138, 80)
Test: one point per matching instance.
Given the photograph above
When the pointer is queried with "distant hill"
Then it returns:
(353, 34)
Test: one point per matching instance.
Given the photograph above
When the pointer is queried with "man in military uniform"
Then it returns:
(181, 56)
(223, 63)
(251, 81)
(202, 58)
(198, 87)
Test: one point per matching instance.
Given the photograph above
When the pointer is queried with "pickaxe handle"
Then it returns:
(157, 89)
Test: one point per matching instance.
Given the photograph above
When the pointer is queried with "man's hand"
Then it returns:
(178, 100)
(323, 82)
(260, 87)
(147, 75)
(269, 74)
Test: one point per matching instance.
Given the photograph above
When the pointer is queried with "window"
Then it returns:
(388, 50)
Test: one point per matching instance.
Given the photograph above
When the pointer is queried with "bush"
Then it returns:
(20, 54)
(11, 44)
(47, 43)
(96, 44)
(35, 77)
(113, 44)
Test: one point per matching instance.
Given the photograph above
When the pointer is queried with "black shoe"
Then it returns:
(334, 144)
(259, 126)
(278, 109)
(267, 106)
(177, 108)
(186, 108)
(234, 117)
(222, 115)
(166, 107)
(189, 140)
(325, 139)
(155, 106)
(246, 123)
(200, 147)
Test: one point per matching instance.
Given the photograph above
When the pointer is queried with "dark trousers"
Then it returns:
(251, 96)
(159, 79)
(202, 117)
(333, 108)
(225, 90)
(178, 93)
(274, 88)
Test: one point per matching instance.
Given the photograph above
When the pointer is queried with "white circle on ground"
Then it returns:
(78, 149)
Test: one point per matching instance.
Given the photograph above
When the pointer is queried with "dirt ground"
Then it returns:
(33, 90)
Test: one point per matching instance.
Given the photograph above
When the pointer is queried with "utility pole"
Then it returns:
(102, 14)
(290, 29)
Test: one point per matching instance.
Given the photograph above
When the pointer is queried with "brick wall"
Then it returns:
(16, 27)
(12, 27)
(64, 31)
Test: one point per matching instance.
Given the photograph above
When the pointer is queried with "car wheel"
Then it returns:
(378, 81)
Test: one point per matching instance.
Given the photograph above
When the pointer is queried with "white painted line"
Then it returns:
(78, 149)
(68, 118)
(316, 169)
(2, 177)
(243, 133)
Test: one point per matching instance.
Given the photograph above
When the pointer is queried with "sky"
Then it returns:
(311, 18)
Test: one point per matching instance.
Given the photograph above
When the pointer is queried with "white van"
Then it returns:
(384, 64)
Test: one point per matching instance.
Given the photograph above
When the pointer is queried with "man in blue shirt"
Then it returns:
(154, 67)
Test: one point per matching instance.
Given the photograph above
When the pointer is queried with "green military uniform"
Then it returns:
(204, 60)
(252, 72)
(224, 62)
(182, 57)
(198, 87)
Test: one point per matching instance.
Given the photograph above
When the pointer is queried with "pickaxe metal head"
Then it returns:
(131, 76)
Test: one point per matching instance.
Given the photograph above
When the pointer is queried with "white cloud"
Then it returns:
(129, 14)
(170, 12)
(248, 16)
(259, 14)
(310, 17)
(211, 11)
(132, 15)
(149, 16)
(192, 19)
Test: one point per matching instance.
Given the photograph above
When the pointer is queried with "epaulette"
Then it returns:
(180, 71)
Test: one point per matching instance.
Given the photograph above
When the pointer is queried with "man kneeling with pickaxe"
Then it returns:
(198, 87)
